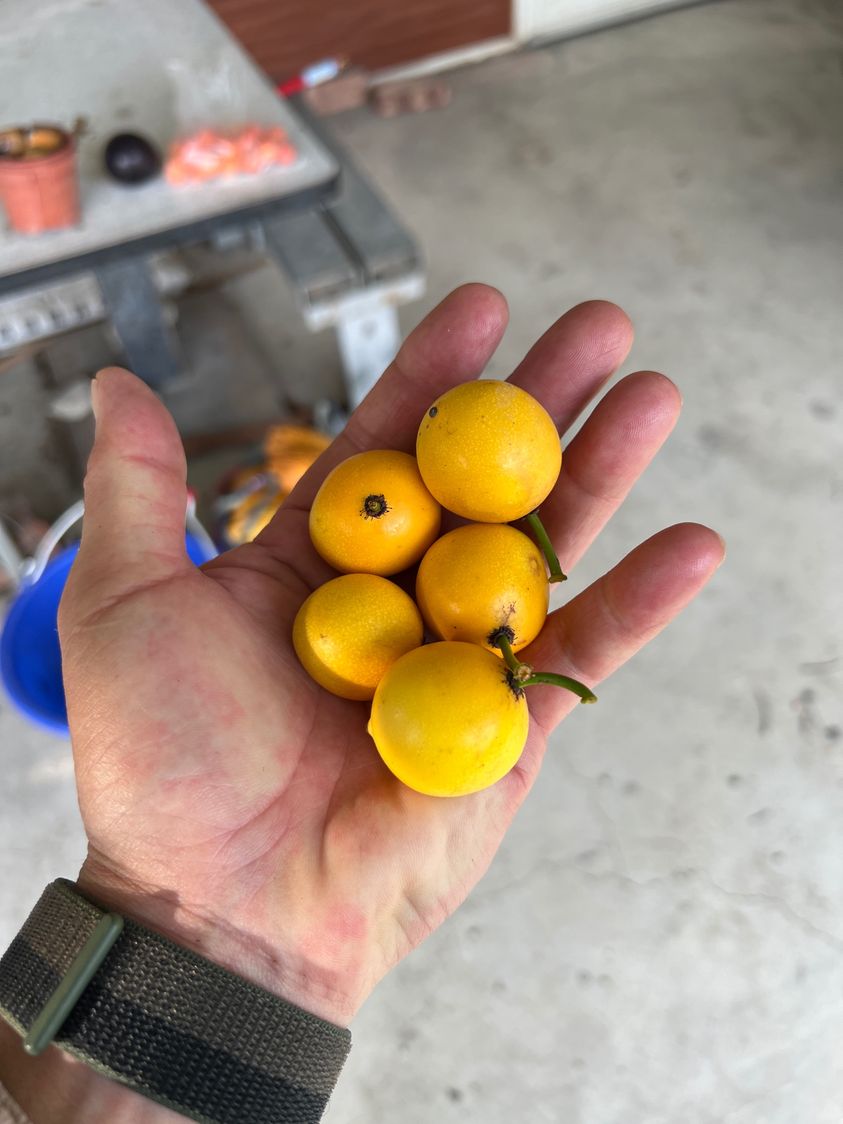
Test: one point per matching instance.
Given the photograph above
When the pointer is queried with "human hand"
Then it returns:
(231, 803)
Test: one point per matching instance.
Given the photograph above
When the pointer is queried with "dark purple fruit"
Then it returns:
(131, 159)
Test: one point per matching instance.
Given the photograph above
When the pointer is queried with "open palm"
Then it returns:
(229, 801)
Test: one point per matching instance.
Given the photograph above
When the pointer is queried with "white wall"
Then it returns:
(534, 19)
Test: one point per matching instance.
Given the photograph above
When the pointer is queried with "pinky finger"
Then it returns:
(601, 628)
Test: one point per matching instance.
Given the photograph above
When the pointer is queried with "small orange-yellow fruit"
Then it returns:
(488, 451)
(351, 630)
(446, 721)
(373, 514)
(481, 578)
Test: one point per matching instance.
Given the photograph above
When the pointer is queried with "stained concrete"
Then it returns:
(660, 938)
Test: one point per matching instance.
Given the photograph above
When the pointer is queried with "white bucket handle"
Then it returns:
(32, 568)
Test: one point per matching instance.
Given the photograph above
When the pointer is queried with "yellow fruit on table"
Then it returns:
(446, 721)
(488, 451)
(373, 514)
(351, 630)
(481, 578)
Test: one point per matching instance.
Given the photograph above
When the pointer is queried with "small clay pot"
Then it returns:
(38, 183)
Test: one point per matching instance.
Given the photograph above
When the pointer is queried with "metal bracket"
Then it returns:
(367, 329)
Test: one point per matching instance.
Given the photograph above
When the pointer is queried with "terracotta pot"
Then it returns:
(40, 192)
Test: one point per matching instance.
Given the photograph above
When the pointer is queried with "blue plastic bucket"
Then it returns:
(30, 658)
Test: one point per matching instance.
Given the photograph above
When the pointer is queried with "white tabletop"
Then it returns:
(162, 68)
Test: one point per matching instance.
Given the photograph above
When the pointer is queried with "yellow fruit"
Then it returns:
(247, 519)
(446, 721)
(480, 578)
(290, 450)
(488, 451)
(373, 514)
(351, 630)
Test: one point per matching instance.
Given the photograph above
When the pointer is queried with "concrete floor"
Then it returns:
(661, 936)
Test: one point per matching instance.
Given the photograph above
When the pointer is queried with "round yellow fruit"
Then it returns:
(446, 721)
(350, 631)
(373, 514)
(479, 579)
(488, 451)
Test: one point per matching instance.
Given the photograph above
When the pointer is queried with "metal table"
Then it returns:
(162, 68)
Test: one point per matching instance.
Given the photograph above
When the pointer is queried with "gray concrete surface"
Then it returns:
(660, 939)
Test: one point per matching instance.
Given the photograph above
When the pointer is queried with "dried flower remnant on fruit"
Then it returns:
(495, 635)
(374, 507)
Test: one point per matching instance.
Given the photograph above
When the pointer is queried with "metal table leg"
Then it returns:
(134, 309)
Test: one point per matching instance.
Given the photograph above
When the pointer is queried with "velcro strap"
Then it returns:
(171, 1025)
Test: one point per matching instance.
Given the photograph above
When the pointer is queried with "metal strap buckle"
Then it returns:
(77, 977)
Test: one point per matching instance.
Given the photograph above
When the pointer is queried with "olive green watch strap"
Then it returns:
(167, 1023)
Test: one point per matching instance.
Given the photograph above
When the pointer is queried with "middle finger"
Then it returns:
(603, 461)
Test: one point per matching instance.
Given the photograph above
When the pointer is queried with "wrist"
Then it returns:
(56, 1088)
(311, 982)
(155, 1017)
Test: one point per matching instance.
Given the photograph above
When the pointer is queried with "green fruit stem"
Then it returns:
(524, 675)
(546, 546)
(586, 695)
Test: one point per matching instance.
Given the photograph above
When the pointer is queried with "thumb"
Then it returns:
(135, 498)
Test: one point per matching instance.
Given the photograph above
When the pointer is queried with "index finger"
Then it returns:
(452, 344)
